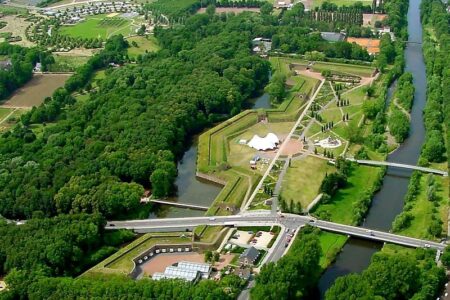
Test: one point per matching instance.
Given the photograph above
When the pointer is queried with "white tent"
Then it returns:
(267, 143)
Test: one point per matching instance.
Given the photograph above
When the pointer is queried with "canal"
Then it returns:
(388, 202)
(193, 190)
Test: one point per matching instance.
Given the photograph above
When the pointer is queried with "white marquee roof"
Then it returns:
(268, 142)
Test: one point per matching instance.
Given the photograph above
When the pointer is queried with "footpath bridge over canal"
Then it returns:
(178, 204)
(398, 165)
(269, 219)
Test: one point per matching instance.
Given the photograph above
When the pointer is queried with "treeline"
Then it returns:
(22, 61)
(393, 276)
(437, 59)
(98, 155)
(243, 3)
(296, 274)
(121, 287)
(57, 246)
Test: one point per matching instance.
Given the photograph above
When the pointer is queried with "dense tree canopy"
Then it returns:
(295, 275)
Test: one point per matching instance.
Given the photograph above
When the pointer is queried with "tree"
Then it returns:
(352, 286)
(266, 9)
(211, 10)
(276, 87)
(208, 256)
(434, 148)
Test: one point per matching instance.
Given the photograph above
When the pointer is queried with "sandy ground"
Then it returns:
(292, 147)
(236, 10)
(162, 261)
(36, 90)
(17, 27)
(78, 52)
(309, 73)
(224, 261)
(370, 19)
(263, 240)
(244, 237)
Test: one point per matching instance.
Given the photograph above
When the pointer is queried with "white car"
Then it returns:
(212, 219)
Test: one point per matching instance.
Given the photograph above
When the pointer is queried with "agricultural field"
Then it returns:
(140, 45)
(10, 10)
(36, 90)
(98, 26)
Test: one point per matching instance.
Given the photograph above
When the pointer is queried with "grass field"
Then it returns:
(302, 180)
(423, 209)
(340, 207)
(4, 112)
(68, 63)
(9, 10)
(317, 3)
(172, 8)
(357, 70)
(331, 244)
(122, 260)
(144, 45)
(98, 26)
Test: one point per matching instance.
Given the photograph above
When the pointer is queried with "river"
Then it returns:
(388, 202)
(193, 190)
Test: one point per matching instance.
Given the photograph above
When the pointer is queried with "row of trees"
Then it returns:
(437, 59)
(122, 287)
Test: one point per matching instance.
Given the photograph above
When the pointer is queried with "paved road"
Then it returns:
(397, 165)
(267, 219)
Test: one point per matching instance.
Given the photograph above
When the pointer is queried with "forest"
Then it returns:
(98, 154)
(392, 276)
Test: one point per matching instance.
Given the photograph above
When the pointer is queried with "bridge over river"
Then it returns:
(398, 165)
(268, 219)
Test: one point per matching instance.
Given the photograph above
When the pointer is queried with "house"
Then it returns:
(6, 64)
(333, 36)
(261, 45)
(249, 256)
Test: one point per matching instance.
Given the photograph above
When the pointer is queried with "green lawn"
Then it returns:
(423, 209)
(98, 26)
(144, 45)
(317, 3)
(331, 244)
(357, 70)
(340, 208)
(4, 112)
(355, 96)
(302, 180)
(122, 261)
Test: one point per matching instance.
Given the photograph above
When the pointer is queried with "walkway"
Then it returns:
(397, 165)
(178, 204)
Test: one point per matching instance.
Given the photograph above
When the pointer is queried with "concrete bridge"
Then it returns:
(398, 165)
(178, 204)
(269, 219)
